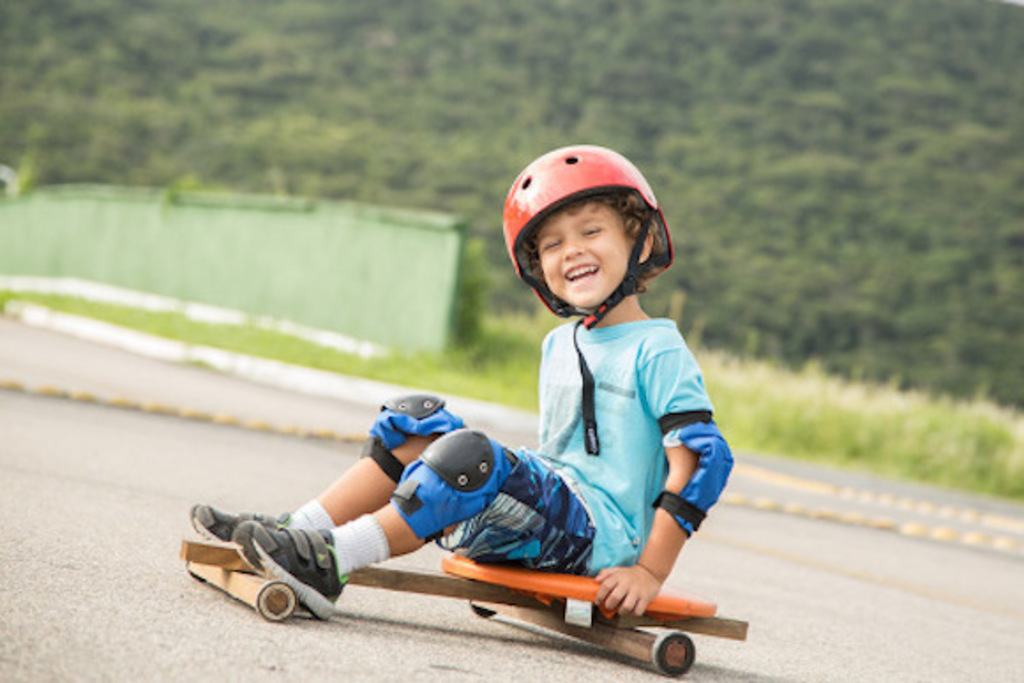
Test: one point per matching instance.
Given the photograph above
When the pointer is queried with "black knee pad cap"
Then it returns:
(463, 458)
(418, 406)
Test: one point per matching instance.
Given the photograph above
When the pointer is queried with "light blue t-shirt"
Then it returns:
(642, 371)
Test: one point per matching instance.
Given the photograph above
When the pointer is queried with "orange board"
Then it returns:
(548, 586)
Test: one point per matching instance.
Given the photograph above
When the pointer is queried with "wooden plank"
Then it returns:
(433, 583)
(224, 555)
(719, 627)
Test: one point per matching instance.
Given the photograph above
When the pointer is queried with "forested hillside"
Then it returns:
(844, 179)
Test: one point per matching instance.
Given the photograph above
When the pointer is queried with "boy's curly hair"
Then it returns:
(634, 213)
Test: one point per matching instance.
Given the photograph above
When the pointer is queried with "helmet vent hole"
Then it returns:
(527, 183)
(572, 160)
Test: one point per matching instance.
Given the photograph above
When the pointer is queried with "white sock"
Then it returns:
(360, 543)
(312, 516)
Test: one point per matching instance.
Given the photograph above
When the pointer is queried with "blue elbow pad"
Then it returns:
(705, 486)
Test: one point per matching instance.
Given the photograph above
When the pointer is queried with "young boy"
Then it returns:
(630, 459)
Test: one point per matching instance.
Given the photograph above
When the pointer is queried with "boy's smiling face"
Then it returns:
(584, 252)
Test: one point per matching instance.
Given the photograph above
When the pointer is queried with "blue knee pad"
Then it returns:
(399, 417)
(419, 414)
(456, 477)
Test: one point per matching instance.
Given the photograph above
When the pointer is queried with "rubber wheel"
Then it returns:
(481, 611)
(673, 653)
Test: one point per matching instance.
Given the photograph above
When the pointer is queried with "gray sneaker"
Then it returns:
(301, 558)
(217, 525)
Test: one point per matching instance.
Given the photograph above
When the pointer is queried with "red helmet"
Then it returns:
(563, 176)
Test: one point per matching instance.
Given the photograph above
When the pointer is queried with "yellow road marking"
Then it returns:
(912, 529)
(922, 507)
(786, 480)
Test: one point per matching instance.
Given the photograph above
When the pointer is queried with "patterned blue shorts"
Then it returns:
(536, 520)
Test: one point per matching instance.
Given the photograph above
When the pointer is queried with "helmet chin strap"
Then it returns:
(590, 440)
(628, 286)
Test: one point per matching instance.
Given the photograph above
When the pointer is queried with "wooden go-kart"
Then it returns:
(557, 602)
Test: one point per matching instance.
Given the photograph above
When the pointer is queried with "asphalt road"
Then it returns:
(842, 577)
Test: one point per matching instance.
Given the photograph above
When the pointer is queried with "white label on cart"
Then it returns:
(579, 613)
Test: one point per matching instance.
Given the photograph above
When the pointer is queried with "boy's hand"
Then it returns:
(627, 590)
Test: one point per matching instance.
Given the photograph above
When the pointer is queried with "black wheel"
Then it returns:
(481, 611)
(673, 653)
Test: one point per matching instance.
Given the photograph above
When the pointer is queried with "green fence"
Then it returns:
(375, 274)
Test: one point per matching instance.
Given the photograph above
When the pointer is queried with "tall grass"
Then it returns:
(971, 445)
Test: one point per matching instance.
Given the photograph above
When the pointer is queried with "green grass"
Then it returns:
(975, 446)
